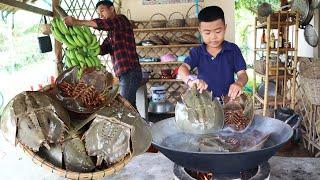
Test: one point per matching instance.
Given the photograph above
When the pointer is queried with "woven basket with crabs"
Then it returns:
(100, 140)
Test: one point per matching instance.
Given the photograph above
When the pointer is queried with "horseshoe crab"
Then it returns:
(219, 142)
(34, 119)
(115, 132)
(238, 113)
(198, 113)
(239, 142)
(88, 94)
(75, 156)
(140, 131)
(108, 139)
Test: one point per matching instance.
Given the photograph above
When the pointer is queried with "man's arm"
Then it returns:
(235, 89)
(71, 21)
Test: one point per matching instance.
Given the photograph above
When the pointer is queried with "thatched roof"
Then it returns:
(9, 9)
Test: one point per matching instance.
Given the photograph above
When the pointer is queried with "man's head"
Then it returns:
(105, 9)
(212, 26)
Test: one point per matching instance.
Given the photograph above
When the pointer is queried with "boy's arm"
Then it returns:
(184, 72)
(235, 89)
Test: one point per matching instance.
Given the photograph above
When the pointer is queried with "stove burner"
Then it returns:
(260, 173)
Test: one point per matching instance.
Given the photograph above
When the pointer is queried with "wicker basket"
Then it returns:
(76, 175)
(176, 22)
(133, 24)
(158, 23)
(191, 22)
(310, 79)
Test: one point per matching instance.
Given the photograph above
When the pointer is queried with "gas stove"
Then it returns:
(261, 172)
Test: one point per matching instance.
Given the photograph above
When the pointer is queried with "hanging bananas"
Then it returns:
(82, 47)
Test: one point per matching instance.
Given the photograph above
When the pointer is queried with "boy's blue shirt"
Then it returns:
(218, 72)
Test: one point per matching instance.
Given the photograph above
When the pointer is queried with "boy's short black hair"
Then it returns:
(104, 2)
(211, 13)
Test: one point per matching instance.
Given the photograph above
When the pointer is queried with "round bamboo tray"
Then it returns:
(74, 175)
(77, 175)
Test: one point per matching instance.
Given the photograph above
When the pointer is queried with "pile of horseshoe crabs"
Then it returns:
(78, 125)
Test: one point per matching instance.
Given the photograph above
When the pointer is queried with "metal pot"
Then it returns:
(158, 93)
(271, 89)
(161, 107)
(305, 10)
(288, 116)
(311, 36)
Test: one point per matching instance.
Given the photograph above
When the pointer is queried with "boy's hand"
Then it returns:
(235, 90)
(201, 85)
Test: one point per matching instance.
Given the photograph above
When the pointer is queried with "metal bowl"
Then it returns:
(161, 107)
(271, 89)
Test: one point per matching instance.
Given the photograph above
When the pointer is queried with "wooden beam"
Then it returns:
(26, 7)
(57, 44)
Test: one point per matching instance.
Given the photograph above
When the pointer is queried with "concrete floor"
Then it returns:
(15, 165)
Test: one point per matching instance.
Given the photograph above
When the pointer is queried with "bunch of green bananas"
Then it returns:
(82, 46)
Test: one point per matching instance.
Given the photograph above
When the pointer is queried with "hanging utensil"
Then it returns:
(305, 10)
(311, 36)
(315, 4)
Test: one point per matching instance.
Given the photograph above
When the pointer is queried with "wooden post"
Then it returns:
(57, 44)
(254, 60)
(266, 87)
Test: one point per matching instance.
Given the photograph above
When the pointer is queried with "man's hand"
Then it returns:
(235, 90)
(201, 85)
(70, 21)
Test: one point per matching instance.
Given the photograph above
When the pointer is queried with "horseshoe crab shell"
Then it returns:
(34, 119)
(140, 133)
(198, 113)
(238, 113)
(75, 156)
(108, 139)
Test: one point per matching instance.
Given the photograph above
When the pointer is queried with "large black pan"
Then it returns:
(223, 162)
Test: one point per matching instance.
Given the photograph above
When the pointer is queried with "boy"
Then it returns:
(216, 59)
(120, 43)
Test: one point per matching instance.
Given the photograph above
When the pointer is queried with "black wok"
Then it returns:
(223, 162)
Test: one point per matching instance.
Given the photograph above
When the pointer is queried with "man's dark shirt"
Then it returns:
(120, 43)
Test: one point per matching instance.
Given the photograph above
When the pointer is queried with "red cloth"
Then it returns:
(120, 43)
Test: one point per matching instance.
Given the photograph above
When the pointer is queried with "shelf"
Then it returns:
(168, 46)
(271, 100)
(165, 80)
(275, 49)
(166, 29)
(162, 63)
(274, 25)
(273, 76)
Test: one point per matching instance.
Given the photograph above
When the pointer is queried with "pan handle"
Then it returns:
(295, 119)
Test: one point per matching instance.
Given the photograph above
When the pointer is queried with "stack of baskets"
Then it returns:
(310, 79)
